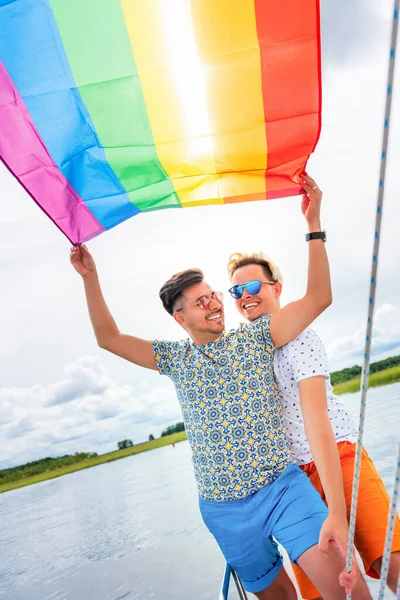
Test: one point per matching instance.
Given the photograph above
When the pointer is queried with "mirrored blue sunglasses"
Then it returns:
(252, 287)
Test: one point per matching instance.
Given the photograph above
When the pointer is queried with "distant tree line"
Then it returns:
(352, 372)
(173, 429)
(41, 466)
(168, 431)
(125, 444)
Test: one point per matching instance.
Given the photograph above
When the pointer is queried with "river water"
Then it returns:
(131, 529)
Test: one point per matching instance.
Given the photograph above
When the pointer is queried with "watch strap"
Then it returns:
(316, 235)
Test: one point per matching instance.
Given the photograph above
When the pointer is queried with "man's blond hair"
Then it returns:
(239, 259)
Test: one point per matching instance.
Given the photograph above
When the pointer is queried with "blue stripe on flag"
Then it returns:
(33, 54)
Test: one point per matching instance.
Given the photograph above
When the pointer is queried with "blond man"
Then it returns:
(320, 430)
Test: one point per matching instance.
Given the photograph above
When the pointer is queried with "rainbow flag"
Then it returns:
(110, 108)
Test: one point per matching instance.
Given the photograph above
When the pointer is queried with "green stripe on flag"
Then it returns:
(100, 56)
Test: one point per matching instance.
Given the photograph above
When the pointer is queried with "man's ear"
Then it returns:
(179, 318)
(278, 289)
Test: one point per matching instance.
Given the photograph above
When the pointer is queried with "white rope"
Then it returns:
(365, 370)
(390, 530)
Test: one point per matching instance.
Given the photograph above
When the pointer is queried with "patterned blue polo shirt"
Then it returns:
(231, 410)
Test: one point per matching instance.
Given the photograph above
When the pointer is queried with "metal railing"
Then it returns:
(228, 574)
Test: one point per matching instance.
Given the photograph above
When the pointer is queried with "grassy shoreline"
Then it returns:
(385, 377)
(94, 462)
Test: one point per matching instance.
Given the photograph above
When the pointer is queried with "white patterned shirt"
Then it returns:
(300, 359)
(231, 410)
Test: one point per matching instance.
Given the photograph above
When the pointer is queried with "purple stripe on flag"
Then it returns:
(25, 155)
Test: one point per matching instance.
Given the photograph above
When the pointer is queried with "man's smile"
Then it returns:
(248, 305)
(214, 316)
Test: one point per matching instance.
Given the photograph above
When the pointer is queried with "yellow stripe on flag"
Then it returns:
(228, 45)
(171, 76)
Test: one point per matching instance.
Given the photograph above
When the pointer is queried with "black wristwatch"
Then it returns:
(316, 235)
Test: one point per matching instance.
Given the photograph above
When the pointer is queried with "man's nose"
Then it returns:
(214, 303)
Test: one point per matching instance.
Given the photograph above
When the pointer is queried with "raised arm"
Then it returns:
(107, 334)
(291, 320)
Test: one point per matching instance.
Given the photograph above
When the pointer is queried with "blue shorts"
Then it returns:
(290, 509)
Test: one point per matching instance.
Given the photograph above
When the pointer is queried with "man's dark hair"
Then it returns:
(172, 289)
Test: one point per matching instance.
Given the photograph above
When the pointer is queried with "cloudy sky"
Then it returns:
(59, 393)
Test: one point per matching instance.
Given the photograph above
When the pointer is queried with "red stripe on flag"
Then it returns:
(275, 193)
(289, 38)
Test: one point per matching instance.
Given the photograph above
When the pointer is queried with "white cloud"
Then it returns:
(85, 376)
(349, 349)
(350, 28)
(90, 415)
